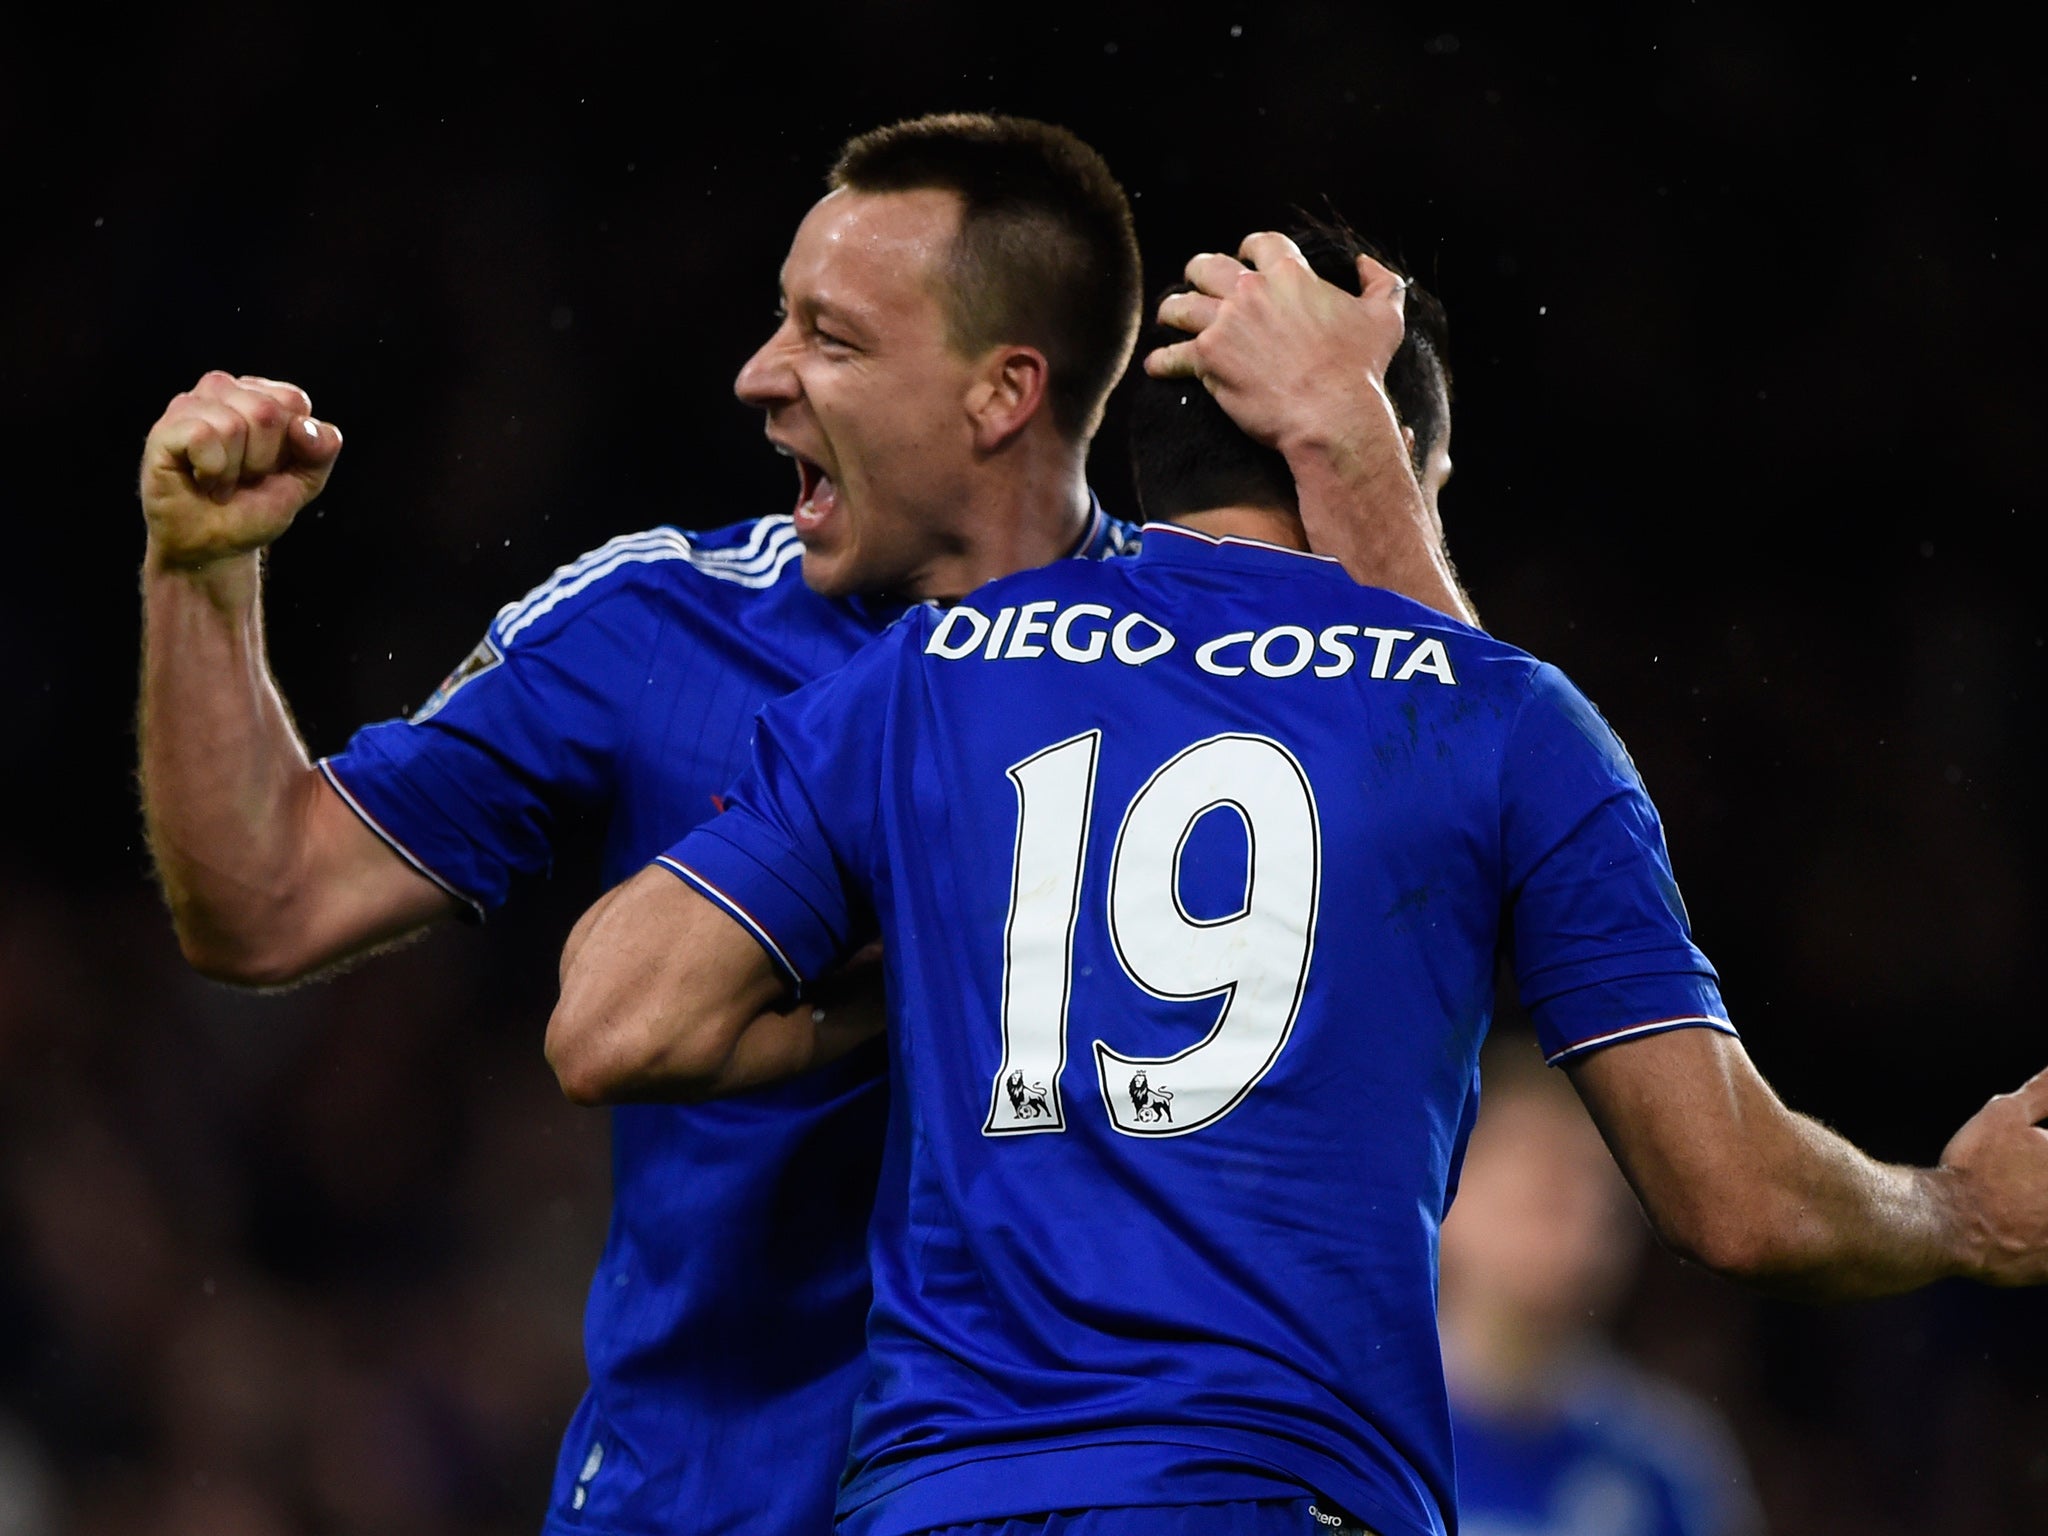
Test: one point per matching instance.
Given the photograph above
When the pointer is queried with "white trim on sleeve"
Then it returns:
(739, 913)
(383, 832)
(1654, 1027)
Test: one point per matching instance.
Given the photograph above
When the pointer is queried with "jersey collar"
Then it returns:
(1102, 536)
(1173, 544)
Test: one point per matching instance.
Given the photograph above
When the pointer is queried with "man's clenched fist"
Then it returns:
(228, 466)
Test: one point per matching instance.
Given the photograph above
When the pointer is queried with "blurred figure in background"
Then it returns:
(1555, 1433)
(28, 1491)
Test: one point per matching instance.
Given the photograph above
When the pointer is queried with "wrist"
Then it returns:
(1355, 426)
(223, 577)
(1965, 1238)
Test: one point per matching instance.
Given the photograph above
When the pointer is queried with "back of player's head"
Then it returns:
(1046, 256)
(1188, 456)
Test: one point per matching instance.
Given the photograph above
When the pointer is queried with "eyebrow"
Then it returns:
(837, 314)
(830, 310)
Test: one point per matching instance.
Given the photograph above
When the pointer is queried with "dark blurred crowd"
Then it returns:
(1746, 331)
(272, 1265)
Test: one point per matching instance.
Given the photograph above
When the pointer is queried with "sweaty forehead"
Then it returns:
(867, 251)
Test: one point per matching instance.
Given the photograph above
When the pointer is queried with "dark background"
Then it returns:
(1745, 323)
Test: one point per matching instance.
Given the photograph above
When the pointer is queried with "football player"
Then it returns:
(955, 310)
(1190, 872)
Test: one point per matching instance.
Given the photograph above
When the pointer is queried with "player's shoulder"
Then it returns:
(1480, 659)
(1512, 668)
(657, 567)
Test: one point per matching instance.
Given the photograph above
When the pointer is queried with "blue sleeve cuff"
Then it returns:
(803, 931)
(1572, 1024)
(380, 816)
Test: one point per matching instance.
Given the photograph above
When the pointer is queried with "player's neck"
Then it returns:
(1035, 515)
(1269, 525)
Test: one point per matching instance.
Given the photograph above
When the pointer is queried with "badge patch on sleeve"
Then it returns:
(474, 665)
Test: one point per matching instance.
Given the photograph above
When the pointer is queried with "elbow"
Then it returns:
(1730, 1249)
(1748, 1240)
(587, 1073)
(604, 1057)
(583, 1086)
(258, 937)
(256, 962)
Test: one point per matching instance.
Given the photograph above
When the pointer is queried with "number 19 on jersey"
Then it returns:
(1255, 958)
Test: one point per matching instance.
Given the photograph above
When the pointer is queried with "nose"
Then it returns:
(767, 379)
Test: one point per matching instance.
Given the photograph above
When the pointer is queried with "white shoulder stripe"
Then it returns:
(652, 538)
(757, 564)
(766, 530)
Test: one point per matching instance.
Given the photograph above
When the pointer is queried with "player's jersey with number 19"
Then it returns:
(1190, 872)
(723, 1332)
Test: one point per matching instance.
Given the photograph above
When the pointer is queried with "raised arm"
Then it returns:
(665, 996)
(1733, 1179)
(268, 874)
(1301, 366)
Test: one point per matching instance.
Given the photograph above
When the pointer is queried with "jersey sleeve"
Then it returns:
(469, 790)
(792, 858)
(1601, 947)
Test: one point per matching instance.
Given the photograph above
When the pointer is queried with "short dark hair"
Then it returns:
(1046, 255)
(1188, 456)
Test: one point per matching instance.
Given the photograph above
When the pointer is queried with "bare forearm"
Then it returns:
(1361, 505)
(781, 1042)
(225, 777)
(269, 876)
(1732, 1178)
(660, 989)
(845, 1012)
(1846, 1226)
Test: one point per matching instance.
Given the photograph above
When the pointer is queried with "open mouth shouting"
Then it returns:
(817, 497)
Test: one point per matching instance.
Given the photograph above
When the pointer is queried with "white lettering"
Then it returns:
(1135, 639)
(1130, 655)
(1062, 633)
(995, 636)
(1304, 647)
(1427, 657)
(1386, 638)
(941, 642)
(1205, 658)
(1331, 641)
(1021, 643)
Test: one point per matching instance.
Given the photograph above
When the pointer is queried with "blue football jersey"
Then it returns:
(723, 1332)
(1617, 1453)
(1191, 872)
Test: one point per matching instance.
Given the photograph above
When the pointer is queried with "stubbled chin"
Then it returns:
(828, 574)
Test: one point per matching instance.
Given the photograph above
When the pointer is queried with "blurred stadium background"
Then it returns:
(1746, 317)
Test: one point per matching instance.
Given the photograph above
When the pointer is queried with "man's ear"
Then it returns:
(1008, 391)
(1408, 442)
